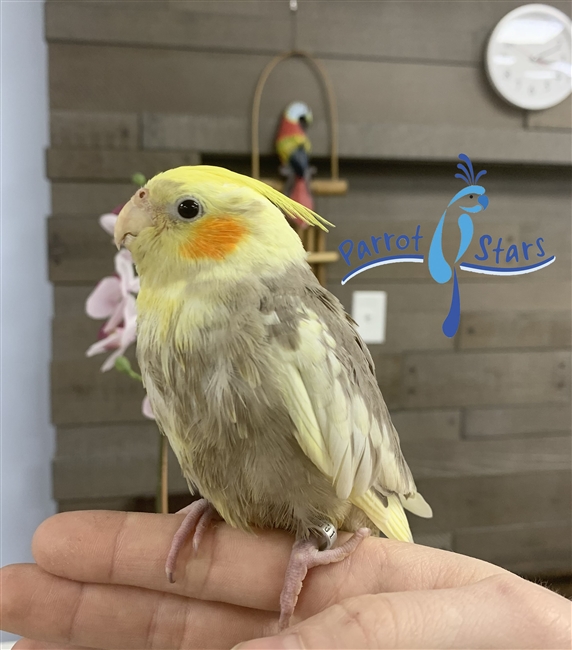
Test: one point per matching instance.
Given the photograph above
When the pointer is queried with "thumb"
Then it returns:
(483, 615)
(367, 621)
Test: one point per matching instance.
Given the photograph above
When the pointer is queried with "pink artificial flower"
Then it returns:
(147, 410)
(113, 298)
(104, 300)
(120, 337)
(107, 221)
(109, 298)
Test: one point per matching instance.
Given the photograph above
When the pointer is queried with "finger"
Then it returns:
(31, 644)
(231, 566)
(490, 614)
(38, 605)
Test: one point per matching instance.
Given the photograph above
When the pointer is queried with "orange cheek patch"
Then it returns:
(213, 238)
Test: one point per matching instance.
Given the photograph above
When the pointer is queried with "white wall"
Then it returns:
(26, 437)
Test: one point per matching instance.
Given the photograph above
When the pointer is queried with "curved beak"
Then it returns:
(483, 200)
(133, 218)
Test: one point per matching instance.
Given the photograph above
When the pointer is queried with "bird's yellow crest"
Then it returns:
(210, 174)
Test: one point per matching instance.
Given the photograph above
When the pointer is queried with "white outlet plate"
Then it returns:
(369, 310)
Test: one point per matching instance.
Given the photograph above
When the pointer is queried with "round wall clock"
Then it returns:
(529, 57)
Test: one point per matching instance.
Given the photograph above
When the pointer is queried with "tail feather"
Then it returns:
(390, 519)
(417, 505)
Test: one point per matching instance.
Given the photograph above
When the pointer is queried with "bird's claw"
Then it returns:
(304, 556)
(198, 516)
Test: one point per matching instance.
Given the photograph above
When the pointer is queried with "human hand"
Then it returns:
(99, 582)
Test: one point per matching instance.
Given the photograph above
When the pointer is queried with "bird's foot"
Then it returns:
(305, 555)
(198, 516)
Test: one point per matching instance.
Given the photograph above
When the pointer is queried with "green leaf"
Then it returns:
(122, 364)
(138, 179)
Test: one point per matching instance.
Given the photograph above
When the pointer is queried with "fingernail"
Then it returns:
(287, 642)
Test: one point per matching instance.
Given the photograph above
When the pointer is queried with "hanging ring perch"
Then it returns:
(332, 186)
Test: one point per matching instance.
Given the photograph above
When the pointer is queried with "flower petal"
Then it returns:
(116, 318)
(147, 410)
(128, 335)
(111, 342)
(110, 361)
(130, 307)
(126, 272)
(107, 222)
(103, 300)
(135, 285)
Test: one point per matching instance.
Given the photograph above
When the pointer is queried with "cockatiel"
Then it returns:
(255, 373)
(293, 147)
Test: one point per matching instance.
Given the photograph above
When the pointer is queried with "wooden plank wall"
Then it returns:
(484, 417)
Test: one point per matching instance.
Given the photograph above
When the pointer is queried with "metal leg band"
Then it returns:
(327, 535)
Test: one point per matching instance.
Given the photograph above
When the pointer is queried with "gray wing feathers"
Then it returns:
(371, 456)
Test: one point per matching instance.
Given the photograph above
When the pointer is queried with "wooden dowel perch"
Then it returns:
(325, 257)
(319, 186)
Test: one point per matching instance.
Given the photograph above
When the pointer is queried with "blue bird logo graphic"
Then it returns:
(470, 200)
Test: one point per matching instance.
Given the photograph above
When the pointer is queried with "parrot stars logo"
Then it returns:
(470, 201)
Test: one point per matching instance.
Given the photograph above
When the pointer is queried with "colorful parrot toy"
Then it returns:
(293, 147)
(256, 374)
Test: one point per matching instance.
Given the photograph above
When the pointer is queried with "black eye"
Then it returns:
(470, 196)
(188, 209)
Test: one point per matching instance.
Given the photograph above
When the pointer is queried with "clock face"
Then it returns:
(529, 57)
